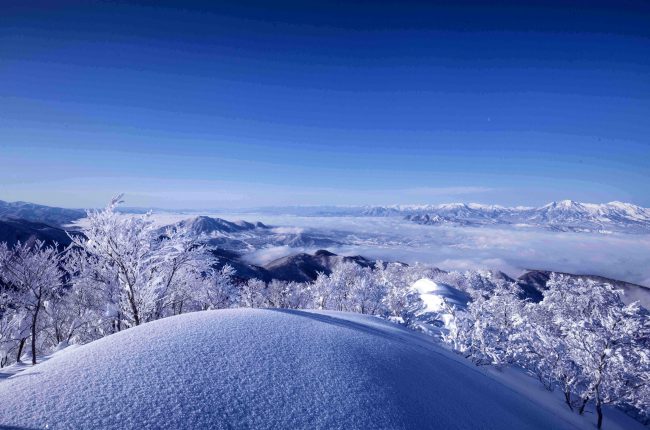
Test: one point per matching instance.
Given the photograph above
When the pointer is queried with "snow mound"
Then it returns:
(434, 295)
(246, 368)
(435, 318)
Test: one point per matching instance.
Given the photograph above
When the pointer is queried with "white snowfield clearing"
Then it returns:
(263, 369)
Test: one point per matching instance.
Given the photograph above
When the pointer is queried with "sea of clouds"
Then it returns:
(510, 249)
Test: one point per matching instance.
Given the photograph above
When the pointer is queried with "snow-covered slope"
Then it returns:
(261, 369)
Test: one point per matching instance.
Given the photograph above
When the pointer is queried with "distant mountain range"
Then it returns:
(39, 213)
(565, 215)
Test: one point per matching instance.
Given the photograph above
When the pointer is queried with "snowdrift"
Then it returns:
(247, 368)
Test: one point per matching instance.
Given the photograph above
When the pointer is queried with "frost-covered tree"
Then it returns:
(580, 338)
(95, 294)
(299, 296)
(277, 293)
(605, 338)
(146, 265)
(184, 263)
(32, 275)
(252, 293)
(342, 284)
(367, 293)
(14, 330)
(288, 295)
(66, 315)
(322, 289)
(544, 352)
(488, 331)
(472, 281)
(351, 287)
(401, 301)
(219, 289)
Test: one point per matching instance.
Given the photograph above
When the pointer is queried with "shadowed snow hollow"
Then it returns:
(264, 369)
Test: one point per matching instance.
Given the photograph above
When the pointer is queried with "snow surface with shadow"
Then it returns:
(248, 368)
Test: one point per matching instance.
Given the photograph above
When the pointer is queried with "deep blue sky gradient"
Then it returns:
(232, 104)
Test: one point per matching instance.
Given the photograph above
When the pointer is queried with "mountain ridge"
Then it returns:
(54, 216)
(564, 215)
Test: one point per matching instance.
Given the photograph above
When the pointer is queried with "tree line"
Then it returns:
(581, 339)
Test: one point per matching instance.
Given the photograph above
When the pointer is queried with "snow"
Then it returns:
(251, 368)
(434, 295)
(435, 317)
(26, 358)
(518, 380)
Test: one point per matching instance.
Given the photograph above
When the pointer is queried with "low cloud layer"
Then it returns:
(620, 256)
(512, 250)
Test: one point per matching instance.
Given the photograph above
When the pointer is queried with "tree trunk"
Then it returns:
(599, 411)
(584, 404)
(567, 399)
(34, 321)
(134, 309)
(21, 345)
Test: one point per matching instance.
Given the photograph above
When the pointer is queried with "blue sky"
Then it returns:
(236, 104)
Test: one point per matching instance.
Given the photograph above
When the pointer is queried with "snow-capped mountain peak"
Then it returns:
(563, 215)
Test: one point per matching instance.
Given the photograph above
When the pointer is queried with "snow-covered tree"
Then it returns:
(95, 294)
(299, 296)
(488, 331)
(580, 338)
(14, 330)
(252, 293)
(401, 301)
(342, 283)
(543, 350)
(367, 293)
(472, 281)
(32, 274)
(183, 263)
(322, 289)
(219, 289)
(146, 265)
(605, 338)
